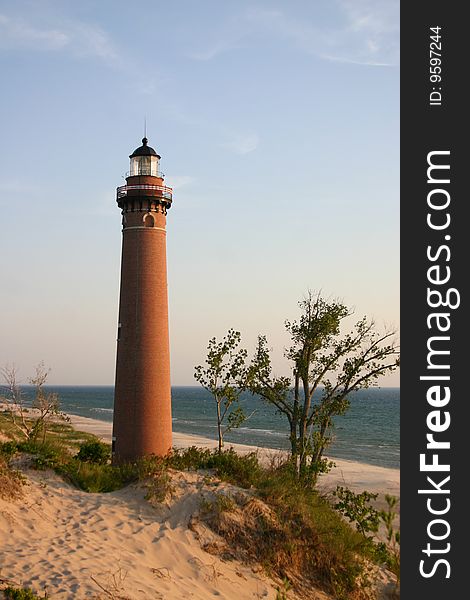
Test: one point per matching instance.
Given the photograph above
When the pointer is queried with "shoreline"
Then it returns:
(355, 475)
(352, 474)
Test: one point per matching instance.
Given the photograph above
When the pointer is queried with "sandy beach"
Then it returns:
(76, 545)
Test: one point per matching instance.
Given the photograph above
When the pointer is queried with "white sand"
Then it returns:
(79, 545)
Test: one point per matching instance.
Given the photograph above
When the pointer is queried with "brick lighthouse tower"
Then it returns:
(142, 400)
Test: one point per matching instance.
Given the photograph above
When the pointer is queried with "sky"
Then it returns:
(278, 127)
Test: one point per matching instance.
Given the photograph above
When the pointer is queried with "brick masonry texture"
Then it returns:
(142, 406)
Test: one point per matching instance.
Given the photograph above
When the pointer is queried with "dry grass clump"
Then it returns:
(11, 481)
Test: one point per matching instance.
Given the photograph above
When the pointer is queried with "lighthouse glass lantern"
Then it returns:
(144, 161)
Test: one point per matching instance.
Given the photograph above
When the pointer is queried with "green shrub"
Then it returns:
(242, 470)
(46, 455)
(189, 458)
(96, 478)
(357, 508)
(12, 593)
(94, 452)
(393, 536)
(8, 448)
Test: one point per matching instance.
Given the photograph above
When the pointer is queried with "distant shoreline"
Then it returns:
(368, 433)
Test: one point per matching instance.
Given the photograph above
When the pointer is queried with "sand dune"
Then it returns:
(77, 545)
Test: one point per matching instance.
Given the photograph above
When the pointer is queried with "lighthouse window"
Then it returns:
(149, 220)
(144, 165)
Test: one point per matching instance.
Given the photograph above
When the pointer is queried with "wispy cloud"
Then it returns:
(232, 34)
(215, 49)
(242, 143)
(18, 32)
(78, 38)
(366, 33)
(371, 32)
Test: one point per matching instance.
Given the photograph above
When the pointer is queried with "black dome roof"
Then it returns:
(144, 150)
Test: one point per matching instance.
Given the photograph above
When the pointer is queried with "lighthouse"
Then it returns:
(142, 398)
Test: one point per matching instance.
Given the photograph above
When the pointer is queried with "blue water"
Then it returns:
(368, 432)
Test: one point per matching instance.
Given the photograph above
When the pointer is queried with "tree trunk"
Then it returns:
(219, 427)
(303, 426)
(293, 441)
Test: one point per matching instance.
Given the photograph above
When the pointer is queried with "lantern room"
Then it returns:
(145, 161)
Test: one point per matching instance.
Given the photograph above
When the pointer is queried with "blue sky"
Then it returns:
(278, 126)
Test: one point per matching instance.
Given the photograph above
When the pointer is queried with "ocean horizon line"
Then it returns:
(176, 385)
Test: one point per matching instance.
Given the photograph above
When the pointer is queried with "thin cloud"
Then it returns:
(242, 143)
(351, 61)
(373, 27)
(91, 40)
(233, 34)
(78, 38)
(367, 33)
(18, 32)
(215, 49)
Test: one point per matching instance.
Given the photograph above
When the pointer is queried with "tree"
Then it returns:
(46, 405)
(224, 377)
(326, 368)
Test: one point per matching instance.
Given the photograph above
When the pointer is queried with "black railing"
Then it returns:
(146, 173)
(162, 191)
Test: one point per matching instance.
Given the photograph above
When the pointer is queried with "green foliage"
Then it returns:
(357, 508)
(224, 377)
(281, 590)
(46, 455)
(191, 458)
(102, 478)
(94, 452)
(154, 470)
(12, 593)
(242, 470)
(98, 478)
(393, 536)
(8, 449)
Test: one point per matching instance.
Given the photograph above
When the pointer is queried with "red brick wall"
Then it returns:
(142, 406)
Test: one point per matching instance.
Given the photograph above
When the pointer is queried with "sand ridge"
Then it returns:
(80, 545)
